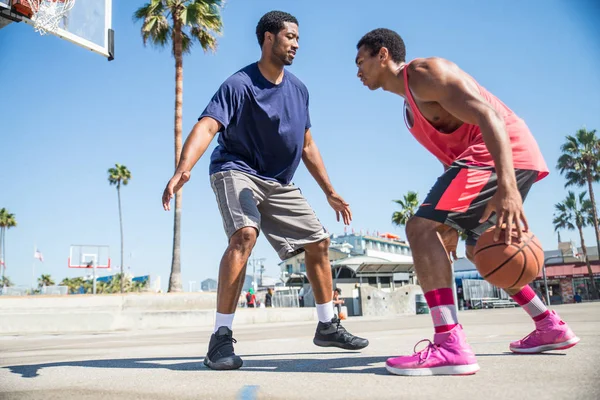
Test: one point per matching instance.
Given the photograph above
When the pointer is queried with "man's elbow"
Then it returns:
(306, 150)
(491, 116)
(207, 126)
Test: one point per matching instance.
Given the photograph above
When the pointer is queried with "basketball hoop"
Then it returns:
(45, 14)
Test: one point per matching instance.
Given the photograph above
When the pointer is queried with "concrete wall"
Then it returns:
(102, 313)
(375, 302)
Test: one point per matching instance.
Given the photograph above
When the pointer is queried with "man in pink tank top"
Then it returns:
(491, 160)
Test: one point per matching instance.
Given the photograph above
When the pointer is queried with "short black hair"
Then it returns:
(338, 290)
(382, 37)
(272, 22)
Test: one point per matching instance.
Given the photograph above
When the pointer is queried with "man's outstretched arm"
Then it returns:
(195, 145)
(314, 163)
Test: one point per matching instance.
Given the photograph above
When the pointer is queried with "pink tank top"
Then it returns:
(466, 143)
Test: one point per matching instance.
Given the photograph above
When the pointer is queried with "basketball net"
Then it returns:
(49, 13)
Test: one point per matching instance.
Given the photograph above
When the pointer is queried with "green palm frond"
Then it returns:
(186, 43)
(5, 281)
(408, 207)
(580, 160)
(207, 41)
(7, 220)
(45, 280)
(573, 212)
(200, 21)
(119, 175)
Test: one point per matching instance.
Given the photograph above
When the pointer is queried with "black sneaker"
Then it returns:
(333, 334)
(220, 354)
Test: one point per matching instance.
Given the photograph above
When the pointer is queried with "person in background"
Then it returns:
(250, 298)
(337, 302)
(269, 298)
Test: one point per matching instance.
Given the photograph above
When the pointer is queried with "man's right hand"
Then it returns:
(176, 183)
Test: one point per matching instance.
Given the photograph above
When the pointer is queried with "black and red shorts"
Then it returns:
(459, 197)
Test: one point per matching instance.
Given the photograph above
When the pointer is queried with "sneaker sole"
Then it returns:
(468, 369)
(547, 347)
(345, 346)
(228, 364)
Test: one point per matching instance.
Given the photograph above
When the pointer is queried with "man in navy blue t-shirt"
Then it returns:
(261, 113)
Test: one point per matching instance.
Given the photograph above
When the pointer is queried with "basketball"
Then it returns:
(508, 266)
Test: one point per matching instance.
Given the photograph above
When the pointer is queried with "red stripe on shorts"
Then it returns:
(463, 189)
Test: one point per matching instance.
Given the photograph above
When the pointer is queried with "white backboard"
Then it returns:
(87, 24)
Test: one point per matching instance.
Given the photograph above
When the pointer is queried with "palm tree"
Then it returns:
(576, 213)
(408, 208)
(118, 281)
(45, 280)
(7, 221)
(71, 284)
(180, 23)
(409, 205)
(117, 176)
(102, 287)
(580, 164)
(139, 286)
(78, 283)
(5, 281)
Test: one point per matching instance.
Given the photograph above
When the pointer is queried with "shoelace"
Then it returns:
(342, 331)
(223, 341)
(426, 352)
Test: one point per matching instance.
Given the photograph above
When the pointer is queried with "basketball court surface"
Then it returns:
(280, 362)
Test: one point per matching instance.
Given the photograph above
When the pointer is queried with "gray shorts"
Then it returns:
(280, 211)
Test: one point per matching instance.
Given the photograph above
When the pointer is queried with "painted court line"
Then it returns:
(248, 392)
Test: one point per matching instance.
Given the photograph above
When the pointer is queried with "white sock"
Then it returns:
(223, 320)
(325, 312)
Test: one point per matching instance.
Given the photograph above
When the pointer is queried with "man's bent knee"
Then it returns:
(321, 247)
(417, 226)
(243, 240)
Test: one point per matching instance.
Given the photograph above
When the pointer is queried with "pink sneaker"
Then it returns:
(449, 354)
(551, 333)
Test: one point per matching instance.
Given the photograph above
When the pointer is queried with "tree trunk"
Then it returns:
(121, 227)
(175, 278)
(1, 253)
(593, 200)
(596, 229)
(587, 261)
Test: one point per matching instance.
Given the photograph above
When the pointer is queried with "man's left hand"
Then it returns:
(341, 208)
(508, 206)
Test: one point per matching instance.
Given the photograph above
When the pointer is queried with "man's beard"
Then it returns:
(281, 55)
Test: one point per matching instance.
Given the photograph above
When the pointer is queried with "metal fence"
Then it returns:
(59, 290)
(285, 297)
(476, 289)
(15, 291)
(282, 297)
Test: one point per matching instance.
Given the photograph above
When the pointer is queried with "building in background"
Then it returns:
(566, 273)
(387, 247)
(208, 285)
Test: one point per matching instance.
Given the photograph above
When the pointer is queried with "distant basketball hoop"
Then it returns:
(89, 256)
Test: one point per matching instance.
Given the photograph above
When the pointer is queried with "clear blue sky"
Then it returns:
(62, 130)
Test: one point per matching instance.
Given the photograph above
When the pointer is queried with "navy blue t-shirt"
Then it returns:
(263, 124)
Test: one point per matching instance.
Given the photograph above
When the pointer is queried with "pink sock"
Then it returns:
(532, 304)
(443, 310)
